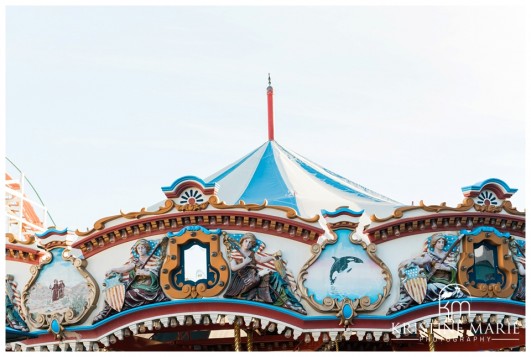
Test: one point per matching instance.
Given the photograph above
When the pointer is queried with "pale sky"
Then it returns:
(107, 104)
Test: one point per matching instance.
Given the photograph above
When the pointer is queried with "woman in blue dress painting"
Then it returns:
(248, 282)
(440, 269)
(140, 277)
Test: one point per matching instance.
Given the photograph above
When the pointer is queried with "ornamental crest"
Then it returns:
(194, 265)
(344, 274)
(490, 265)
(190, 193)
(60, 289)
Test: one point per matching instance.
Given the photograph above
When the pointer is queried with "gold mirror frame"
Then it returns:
(43, 321)
(173, 266)
(505, 262)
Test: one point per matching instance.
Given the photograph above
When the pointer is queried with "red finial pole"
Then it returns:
(271, 127)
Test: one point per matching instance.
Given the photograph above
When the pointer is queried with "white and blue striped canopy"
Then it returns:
(284, 178)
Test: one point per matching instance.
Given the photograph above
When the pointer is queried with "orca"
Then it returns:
(340, 265)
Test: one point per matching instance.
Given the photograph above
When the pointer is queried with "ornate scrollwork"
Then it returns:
(172, 278)
(100, 224)
(82, 291)
(346, 306)
(499, 243)
(192, 207)
(399, 212)
(487, 208)
(290, 212)
(12, 239)
(467, 204)
(508, 207)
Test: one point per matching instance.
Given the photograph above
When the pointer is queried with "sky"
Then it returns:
(105, 105)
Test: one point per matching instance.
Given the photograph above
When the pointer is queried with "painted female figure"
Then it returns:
(248, 282)
(438, 267)
(56, 291)
(518, 254)
(141, 279)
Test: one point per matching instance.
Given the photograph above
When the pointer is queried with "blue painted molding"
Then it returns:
(478, 230)
(15, 332)
(480, 185)
(51, 231)
(279, 309)
(342, 210)
(177, 182)
(194, 229)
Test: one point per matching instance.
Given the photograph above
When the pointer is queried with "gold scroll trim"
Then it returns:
(100, 224)
(290, 212)
(465, 206)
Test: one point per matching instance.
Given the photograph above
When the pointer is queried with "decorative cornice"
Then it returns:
(170, 204)
(438, 222)
(98, 241)
(290, 212)
(100, 224)
(467, 204)
(22, 254)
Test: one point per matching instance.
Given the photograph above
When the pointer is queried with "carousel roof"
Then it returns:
(285, 178)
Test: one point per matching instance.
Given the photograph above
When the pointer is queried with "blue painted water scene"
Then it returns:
(58, 288)
(347, 272)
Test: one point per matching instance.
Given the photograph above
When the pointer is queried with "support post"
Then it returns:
(237, 346)
(250, 340)
(431, 338)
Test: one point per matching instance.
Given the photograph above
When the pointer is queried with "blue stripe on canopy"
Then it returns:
(326, 179)
(233, 167)
(267, 183)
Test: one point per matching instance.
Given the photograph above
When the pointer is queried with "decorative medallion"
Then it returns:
(259, 276)
(487, 266)
(194, 266)
(487, 198)
(342, 272)
(190, 193)
(344, 275)
(191, 197)
(57, 329)
(60, 288)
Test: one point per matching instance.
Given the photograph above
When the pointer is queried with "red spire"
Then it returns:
(271, 126)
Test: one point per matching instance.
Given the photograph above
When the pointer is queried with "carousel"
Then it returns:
(273, 252)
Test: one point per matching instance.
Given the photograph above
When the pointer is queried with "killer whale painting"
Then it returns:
(344, 270)
(342, 265)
